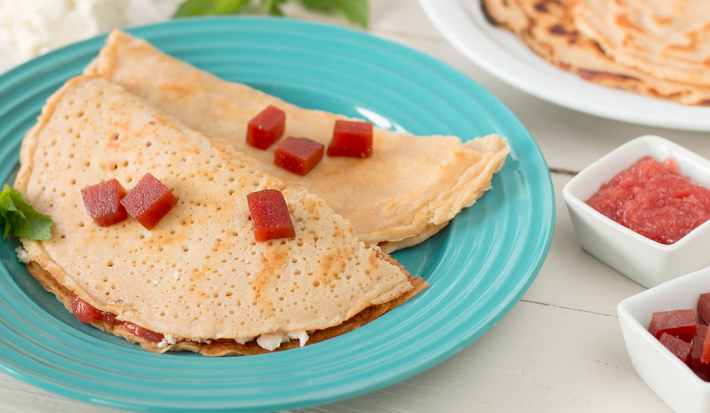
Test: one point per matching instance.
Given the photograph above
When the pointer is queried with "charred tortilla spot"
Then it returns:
(656, 93)
(559, 29)
(594, 75)
(541, 7)
(487, 15)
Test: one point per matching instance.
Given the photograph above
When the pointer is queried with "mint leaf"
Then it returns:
(7, 211)
(356, 11)
(209, 7)
(20, 218)
(272, 7)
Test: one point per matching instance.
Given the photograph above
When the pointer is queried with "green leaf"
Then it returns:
(321, 5)
(356, 11)
(209, 7)
(20, 218)
(272, 7)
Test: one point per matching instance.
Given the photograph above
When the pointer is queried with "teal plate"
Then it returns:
(478, 267)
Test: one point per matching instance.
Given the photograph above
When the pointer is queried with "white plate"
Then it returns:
(502, 54)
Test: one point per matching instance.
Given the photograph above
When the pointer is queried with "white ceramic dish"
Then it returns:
(664, 373)
(505, 56)
(647, 262)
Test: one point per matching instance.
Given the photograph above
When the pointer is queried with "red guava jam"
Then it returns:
(654, 200)
(139, 331)
(269, 215)
(87, 313)
(84, 311)
(298, 155)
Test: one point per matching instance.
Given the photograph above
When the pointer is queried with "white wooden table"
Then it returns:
(560, 349)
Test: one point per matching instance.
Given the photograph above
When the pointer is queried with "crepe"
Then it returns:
(409, 189)
(547, 27)
(669, 39)
(198, 277)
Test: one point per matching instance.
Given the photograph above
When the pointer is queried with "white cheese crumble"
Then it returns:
(22, 255)
(167, 340)
(170, 340)
(244, 340)
(199, 340)
(272, 341)
(302, 336)
(35, 27)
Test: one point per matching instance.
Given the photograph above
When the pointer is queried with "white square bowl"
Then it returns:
(673, 381)
(647, 262)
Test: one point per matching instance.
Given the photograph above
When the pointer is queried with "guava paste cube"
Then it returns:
(678, 323)
(103, 202)
(704, 308)
(266, 128)
(696, 364)
(149, 201)
(677, 346)
(269, 215)
(298, 155)
(351, 139)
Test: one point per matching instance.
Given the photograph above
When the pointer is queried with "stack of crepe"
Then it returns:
(409, 189)
(199, 277)
(659, 48)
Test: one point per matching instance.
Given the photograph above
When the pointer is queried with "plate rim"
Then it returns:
(309, 400)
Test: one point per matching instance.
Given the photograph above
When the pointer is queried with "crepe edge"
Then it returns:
(229, 347)
(470, 186)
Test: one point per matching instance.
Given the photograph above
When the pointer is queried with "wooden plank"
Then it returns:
(537, 359)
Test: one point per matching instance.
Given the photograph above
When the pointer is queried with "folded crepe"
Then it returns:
(669, 39)
(408, 190)
(198, 277)
(548, 28)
